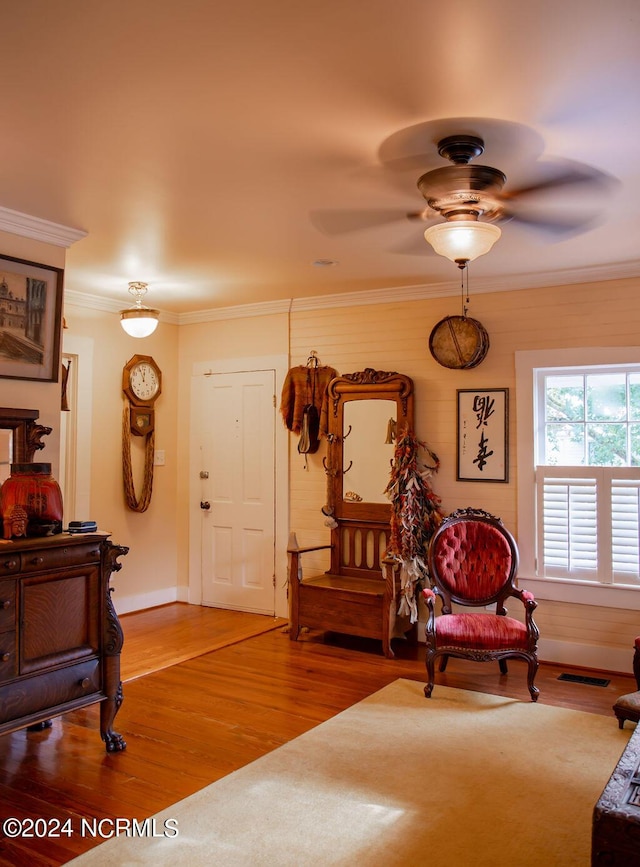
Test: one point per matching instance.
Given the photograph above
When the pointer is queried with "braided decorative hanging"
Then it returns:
(133, 503)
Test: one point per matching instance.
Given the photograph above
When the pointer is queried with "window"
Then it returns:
(582, 500)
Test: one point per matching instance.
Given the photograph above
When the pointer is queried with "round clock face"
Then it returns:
(144, 381)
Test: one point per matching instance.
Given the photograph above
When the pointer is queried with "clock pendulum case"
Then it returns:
(141, 386)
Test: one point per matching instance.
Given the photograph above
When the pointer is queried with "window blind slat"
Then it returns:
(569, 527)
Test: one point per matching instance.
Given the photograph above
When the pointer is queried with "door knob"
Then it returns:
(205, 504)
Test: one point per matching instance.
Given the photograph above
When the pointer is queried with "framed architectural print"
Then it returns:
(30, 320)
(483, 431)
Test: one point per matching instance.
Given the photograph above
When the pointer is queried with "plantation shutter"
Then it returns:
(569, 547)
(625, 530)
(589, 522)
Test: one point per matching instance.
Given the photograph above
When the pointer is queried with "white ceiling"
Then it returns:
(205, 145)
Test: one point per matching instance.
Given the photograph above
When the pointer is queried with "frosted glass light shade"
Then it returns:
(462, 239)
(139, 321)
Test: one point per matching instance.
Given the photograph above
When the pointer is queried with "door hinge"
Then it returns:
(274, 401)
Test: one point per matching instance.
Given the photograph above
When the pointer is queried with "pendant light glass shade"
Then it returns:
(139, 321)
(462, 240)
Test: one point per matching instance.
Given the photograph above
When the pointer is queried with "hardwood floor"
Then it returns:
(192, 722)
(170, 634)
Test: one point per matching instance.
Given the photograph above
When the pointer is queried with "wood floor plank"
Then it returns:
(191, 723)
(168, 634)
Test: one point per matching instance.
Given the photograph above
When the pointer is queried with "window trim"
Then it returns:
(526, 363)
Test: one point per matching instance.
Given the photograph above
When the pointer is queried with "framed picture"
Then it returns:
(30, 320)
(483, 433)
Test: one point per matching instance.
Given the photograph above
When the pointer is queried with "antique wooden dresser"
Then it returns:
(60, 638)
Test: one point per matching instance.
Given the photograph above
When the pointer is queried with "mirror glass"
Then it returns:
(366, 449)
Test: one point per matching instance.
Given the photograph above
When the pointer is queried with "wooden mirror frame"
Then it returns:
(368, 384)
(26, 433)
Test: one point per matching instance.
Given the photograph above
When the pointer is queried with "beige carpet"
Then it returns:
(464, 779)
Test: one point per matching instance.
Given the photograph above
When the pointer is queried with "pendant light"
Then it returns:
(139, 321)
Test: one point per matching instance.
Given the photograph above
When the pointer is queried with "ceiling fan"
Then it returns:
(561, 197)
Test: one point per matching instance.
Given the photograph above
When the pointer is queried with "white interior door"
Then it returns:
(238, 491)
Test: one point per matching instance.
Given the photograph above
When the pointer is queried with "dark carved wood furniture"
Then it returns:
(615, 839)
(358, 595)
(60, 638)
(26, 434)
(473, 562)
(627, 707)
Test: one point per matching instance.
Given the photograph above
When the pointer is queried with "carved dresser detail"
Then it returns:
(60, 638)
(615, 839)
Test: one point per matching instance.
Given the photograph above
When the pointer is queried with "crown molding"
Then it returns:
(389, 295)
(38, 229)
(241, 311)
(504, 283)
(107, 305)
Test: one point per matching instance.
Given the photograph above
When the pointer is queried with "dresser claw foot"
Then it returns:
(114, 742)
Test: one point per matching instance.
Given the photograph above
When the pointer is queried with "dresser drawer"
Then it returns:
(54, 558)
(8, 656)
(51, 690)
(7, 605)
(9, 563)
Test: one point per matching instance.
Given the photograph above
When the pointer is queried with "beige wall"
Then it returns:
(392, 336)
(395, 337)
(149, 572)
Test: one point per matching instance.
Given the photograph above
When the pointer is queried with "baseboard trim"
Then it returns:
(594, 656)
(142, 601)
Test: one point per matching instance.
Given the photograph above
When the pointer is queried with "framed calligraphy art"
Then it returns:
(483, 435)
(30, 320)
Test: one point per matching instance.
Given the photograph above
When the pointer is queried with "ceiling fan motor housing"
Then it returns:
(463, 191)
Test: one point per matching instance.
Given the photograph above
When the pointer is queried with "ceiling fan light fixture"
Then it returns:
(139, 321)
(462, 240)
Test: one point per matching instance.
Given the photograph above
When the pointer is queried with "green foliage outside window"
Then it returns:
(592, 419)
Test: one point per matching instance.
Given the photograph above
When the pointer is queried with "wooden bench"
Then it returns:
(357, 596)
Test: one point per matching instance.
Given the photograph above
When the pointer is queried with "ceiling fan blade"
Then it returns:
(415, 147)
(341, 222)
(560, 226)
(413, 246)
(563, 176)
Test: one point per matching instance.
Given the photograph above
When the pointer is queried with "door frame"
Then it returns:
(78, 445)
(200, 370)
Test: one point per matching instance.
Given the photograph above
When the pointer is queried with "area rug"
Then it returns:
(463, 779)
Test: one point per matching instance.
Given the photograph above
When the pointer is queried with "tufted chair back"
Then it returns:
(473, 559)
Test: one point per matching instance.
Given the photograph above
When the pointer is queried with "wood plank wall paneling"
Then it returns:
(395, 336)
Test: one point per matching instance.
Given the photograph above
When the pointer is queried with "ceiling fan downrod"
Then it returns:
(461, 149)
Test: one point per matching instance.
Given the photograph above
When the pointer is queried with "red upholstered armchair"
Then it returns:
(473, 562)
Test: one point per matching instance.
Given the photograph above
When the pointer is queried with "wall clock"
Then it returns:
(459, 342)
(141, 386)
